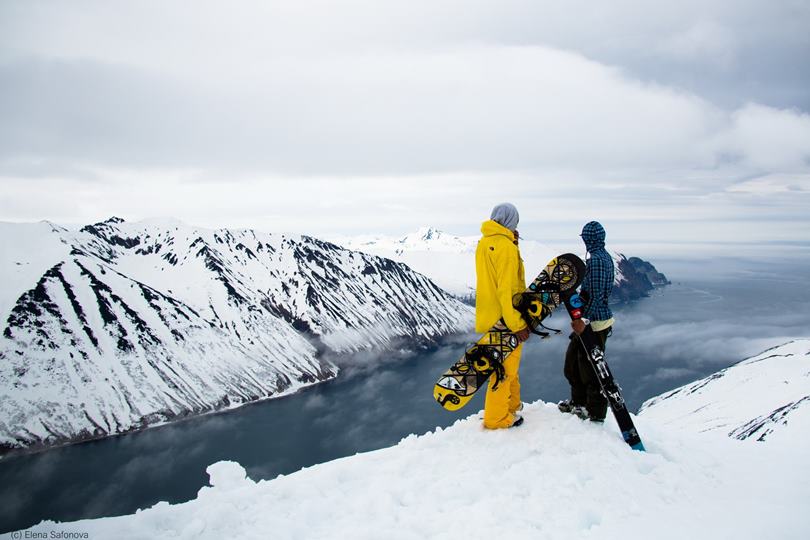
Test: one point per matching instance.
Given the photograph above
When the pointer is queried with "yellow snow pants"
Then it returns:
(502, 403)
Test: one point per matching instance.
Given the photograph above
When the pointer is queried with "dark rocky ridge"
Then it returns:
(638, 279)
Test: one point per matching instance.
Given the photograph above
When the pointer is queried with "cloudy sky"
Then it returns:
(669, 122)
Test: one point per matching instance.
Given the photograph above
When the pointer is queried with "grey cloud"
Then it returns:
(732, 50)
(411, 88)
(362, 116)
(86, 112)
(661, 114)
(705, 345)
(664, 374)
(315, 402)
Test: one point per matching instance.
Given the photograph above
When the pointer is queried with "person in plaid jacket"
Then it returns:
(587, 400)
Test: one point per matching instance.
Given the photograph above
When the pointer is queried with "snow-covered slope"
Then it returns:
(121, 325)
(766, 397)
(450, 260)
(555, 477)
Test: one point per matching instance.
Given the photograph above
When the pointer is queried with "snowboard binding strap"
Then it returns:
(499, 373)
(484, 358)
(544, 335)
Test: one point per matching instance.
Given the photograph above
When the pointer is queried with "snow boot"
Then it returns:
(580, 411)
(567, 406)
(518, 421)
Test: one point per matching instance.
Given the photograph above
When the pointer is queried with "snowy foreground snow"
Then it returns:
(554, 477)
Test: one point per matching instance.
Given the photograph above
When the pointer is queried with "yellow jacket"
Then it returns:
(499, 276)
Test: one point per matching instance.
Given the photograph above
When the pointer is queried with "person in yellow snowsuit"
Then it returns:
(499, 276)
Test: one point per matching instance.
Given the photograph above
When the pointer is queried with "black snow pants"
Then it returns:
(585, 389)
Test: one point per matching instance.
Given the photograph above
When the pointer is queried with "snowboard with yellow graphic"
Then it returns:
(459, 384)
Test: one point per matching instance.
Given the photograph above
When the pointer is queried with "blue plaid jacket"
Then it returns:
(598, 282)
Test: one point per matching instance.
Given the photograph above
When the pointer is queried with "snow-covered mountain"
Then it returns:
(555, 477)
(121, 325)
(450, 261)
(765, 397)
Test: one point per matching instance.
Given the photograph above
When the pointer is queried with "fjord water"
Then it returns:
(714, 314)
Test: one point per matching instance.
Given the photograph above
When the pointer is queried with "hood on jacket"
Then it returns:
(491, 228)
(506, 214)
(593, 234)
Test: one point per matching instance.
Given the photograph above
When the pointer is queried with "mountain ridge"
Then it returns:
(117, 326)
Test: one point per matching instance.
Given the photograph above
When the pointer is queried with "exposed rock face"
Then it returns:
(657, 279)
(635, 278)
(123, 325)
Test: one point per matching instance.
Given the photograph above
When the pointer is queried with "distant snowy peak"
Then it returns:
(430, 239)
(423, 239)
(445, 258)
(429, 233)
(752, 400)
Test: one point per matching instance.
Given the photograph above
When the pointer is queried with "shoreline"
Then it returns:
(334, 358)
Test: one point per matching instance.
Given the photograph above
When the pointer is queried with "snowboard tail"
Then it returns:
(457, 386)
